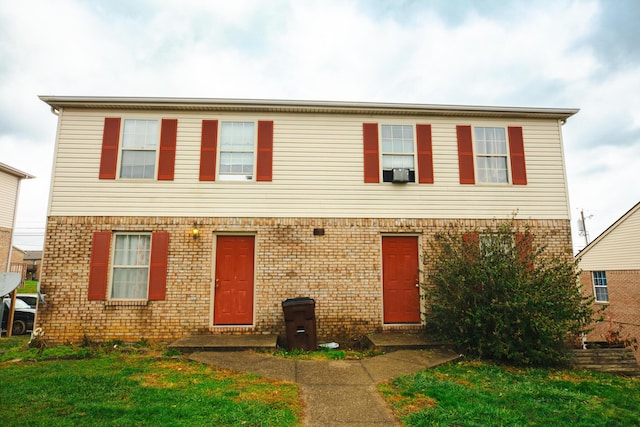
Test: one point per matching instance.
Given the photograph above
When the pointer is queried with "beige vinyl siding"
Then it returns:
(8, 195)
(619, 249)
(317, 172)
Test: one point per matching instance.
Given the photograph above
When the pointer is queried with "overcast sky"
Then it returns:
(570, 54)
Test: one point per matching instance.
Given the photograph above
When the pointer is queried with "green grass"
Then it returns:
(29, 287)
(134, 387)
(480, 394)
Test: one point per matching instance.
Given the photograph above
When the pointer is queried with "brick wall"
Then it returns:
(622, 313)
(5, 245)
(341, 270)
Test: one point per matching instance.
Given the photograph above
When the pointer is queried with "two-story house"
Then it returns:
(10, 179)
(169, 217)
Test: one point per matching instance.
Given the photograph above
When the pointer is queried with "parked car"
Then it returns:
(23, 317)
(31, 299)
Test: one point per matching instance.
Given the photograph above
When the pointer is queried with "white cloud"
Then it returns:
(501, 53)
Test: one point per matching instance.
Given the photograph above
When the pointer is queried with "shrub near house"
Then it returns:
(498, 295)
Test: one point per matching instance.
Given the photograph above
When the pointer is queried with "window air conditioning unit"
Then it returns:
(400, 175)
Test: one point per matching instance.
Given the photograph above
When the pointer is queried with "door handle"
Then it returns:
(217, 283)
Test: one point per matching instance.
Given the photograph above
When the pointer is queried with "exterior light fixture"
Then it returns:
(195, 232)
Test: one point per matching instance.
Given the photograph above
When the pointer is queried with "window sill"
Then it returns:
(124, 303)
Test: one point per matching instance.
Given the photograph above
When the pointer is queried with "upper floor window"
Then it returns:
(491, 155)
(237, 147)
(139, 146)
(144, 149)
(398, 150)
(600, 286)
(131, 257)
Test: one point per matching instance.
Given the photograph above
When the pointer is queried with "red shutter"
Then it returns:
(208, 150)
(471, 238)
(425, 154)
(465, 155)
(158, 267)
(371, 156)
(167, 160)
(109, 156)
(524, 246)
(264, 167)
(471, 247)
(99, 267)
(516, 151)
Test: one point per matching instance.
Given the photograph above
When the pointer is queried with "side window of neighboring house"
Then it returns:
(245, 151)
(600, 286)
(398, 150)
(388, 147)
(135, 268)
(491, 155)
(143, 149)
(237, 151)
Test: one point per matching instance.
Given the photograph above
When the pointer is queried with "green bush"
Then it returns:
(497, 294)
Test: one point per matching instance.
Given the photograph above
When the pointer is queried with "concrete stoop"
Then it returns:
(393, 341)
(194, 343)
(383, 342)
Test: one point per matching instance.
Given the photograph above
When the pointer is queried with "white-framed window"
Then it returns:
(600, 290)
(503, 242)
(130, 267)
(139, 149)
(237, 151)
(398, 150)
(491, 154)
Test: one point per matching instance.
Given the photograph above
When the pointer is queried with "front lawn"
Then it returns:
(482, 394)
(134, 386)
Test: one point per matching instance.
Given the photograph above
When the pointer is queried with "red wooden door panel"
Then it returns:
(233, 290)
(400, 289)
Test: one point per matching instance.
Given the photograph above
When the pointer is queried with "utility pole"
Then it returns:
(584, 228)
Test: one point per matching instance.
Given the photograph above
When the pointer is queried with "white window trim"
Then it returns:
(606, 286)
(121, 149)
(231, 178)
(475, 156)
(112, 264)
(414, 152)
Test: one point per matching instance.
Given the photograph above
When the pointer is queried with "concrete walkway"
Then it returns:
(337, 393)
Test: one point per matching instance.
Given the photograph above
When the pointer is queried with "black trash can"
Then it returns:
(300, 322)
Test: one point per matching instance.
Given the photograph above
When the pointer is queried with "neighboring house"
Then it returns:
(10, 179)
(16, 264)
(611, 274)
(170, 217)
(32, 261)
(17, 255)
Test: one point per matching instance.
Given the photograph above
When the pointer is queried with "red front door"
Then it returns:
(233, 294)
(400, 280)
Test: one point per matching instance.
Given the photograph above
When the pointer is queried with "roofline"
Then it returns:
(274, 105)
(608, 230)
(15, 172)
